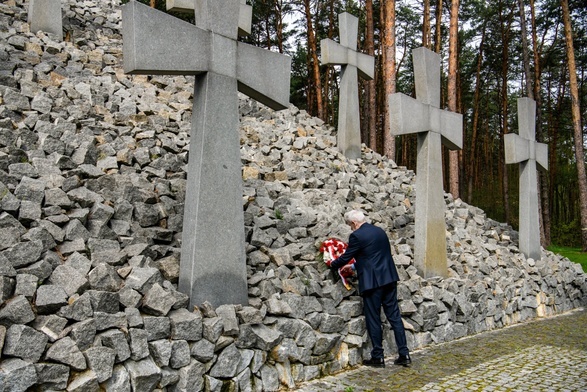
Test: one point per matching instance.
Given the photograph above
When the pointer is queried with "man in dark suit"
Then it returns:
(378, 277)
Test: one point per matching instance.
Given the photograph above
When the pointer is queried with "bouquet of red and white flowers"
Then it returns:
(332, 249)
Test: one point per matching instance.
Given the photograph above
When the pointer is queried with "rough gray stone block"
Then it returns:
(191, 377)
(83, 333)
(157, 301)
(57, 197)
(144, 375)
(104, 278)
(180, 354)
(24, 253)
(270, 378)
(186, 325)
(119, 381)
(101, 361)
(157, 327)
(169, 377)
(160, 351)
(65, 351)
(213, 328)
(24, 342)
(84, 197)
(84, 381)
(16, 311)
(116, 340)
(110, 320)
(26, 285)
(6, 288)
(203, 350)
(134, 318)
(52, 375)
(75, 230)
(68, 247)
(229, 320)
(29, 211)
(50, 298)
(129, 298)
(104, 301)
(69, 279)
(227, 363)
(17, 375)
(51, 325)
(141, 279)
(10, 228)
(30, 189)
(79, 308)
(79, 262)
(139, 345)
(40, 233)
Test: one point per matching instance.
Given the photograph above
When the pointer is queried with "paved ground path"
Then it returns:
(544, 355)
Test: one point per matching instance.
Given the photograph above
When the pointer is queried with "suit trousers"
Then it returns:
(373, 300)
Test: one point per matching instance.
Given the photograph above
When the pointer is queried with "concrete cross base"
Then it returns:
(213, 260)
(430, 231)
(45, 15)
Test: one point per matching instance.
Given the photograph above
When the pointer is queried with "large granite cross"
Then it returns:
(434, 127)
(345, 54)
(524, 149)
(213, 260)
(45, 15)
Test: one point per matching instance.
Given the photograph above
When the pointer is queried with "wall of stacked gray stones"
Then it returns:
(92, 185)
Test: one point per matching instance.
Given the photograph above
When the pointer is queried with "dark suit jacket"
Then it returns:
(369, 246)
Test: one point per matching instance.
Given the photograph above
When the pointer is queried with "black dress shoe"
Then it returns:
(375, 362)
(403, 360)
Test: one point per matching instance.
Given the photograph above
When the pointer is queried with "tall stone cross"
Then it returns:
(45, 15)
(213, 260)
(524, 149)
(345, 54)
(434, 128)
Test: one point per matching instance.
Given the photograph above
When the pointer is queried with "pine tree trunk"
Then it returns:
(370, 85)
(473, 156)
(452, 92)
(389, 71)
(279, 26)
(426, 42)
(314, 63)
(505, 40)
(576, 116)
(534, 93)
(438, 32)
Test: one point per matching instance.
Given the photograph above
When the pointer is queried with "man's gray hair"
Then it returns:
(354, 216)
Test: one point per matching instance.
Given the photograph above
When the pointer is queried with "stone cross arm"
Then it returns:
(180, 48)
(337, 54)
(519, 149)
(257, 72)
(245, 13)
(408, 115)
